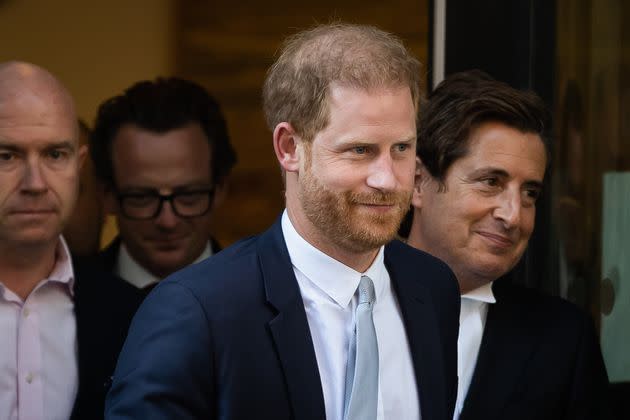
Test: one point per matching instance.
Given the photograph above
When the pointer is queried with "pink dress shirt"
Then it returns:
(38, 351)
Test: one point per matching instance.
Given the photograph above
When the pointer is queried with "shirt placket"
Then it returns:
(30, 381)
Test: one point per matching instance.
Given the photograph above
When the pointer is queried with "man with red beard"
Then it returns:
(322, 316)
(521, 355)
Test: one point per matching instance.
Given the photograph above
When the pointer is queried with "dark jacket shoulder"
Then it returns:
(104, 307)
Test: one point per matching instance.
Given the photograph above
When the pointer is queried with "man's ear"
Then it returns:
(420, 184)
(83, 151)
(286, 145)
(220, 192)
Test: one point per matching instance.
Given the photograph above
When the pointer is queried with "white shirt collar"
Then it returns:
(128, 269)
(63, 271)
(334, 278)
(481, 294)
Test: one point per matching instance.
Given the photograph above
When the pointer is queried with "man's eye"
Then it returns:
(490, 181)
(140, 200)
(56, 154)
(533, 194)
(402, 147)
(6, 156)
(360, 150)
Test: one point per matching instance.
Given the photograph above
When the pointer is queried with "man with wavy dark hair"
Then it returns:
(163, 152)
(482, 154)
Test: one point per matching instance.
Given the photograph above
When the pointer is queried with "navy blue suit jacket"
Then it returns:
(228, 338)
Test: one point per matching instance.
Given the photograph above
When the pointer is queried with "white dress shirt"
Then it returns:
(328, 290)
(129, 270)
(472, 320)
(38, 347)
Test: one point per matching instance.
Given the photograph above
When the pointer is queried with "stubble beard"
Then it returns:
(342, 218)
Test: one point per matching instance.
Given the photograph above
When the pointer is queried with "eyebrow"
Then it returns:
(64, 144)
(9, 146)
(531, 183)
(368, 142)
(136, 189)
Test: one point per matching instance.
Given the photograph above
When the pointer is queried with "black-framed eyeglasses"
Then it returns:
(147, 205)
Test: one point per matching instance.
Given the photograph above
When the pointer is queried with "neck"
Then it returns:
(467, 286)
(467, 281)
(22, 268)
(414, 236)
(357, 260)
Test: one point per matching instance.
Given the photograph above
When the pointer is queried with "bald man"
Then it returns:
(46, 313)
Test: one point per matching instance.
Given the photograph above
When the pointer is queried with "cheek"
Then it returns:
(65, 182)
(5, 188)
(337, 179)
(528, 221)
(467, 209)
(405, 173)
(200, 225)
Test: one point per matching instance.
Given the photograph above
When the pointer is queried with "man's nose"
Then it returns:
(34, 180)
(382, 176)
(509, 208)
(167, 218)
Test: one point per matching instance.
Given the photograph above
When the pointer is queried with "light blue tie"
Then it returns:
(361, 395)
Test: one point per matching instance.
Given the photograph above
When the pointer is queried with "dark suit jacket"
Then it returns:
(108, 257)
(103, 309)
(228, 338)
(539, 359)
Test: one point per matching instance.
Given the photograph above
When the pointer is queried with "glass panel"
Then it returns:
(591, 164)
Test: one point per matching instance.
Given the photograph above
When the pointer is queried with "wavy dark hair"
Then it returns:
(159, 106)
(463, 101)
(457, 106)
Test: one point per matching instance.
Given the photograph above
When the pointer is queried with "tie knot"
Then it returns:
(366, 290)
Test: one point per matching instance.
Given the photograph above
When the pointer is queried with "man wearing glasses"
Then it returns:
(163, 152)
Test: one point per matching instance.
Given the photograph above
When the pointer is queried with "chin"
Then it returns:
(494, 271)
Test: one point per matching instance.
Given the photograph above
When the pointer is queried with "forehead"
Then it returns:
(499, 146)
(360, 114)
(32, 119)
(177, 157)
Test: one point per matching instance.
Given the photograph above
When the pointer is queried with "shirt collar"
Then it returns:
(128, 269)
(62, 271)
(334, 278)
(481, 294)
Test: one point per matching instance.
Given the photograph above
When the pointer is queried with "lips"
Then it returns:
(497, 239)
(32, 213)
(167, 243)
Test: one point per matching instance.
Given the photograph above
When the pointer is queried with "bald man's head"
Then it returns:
(39, 155)
(24, 85)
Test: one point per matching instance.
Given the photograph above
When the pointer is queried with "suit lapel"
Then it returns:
(506, 346)
(421, 328)
(289, 329)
